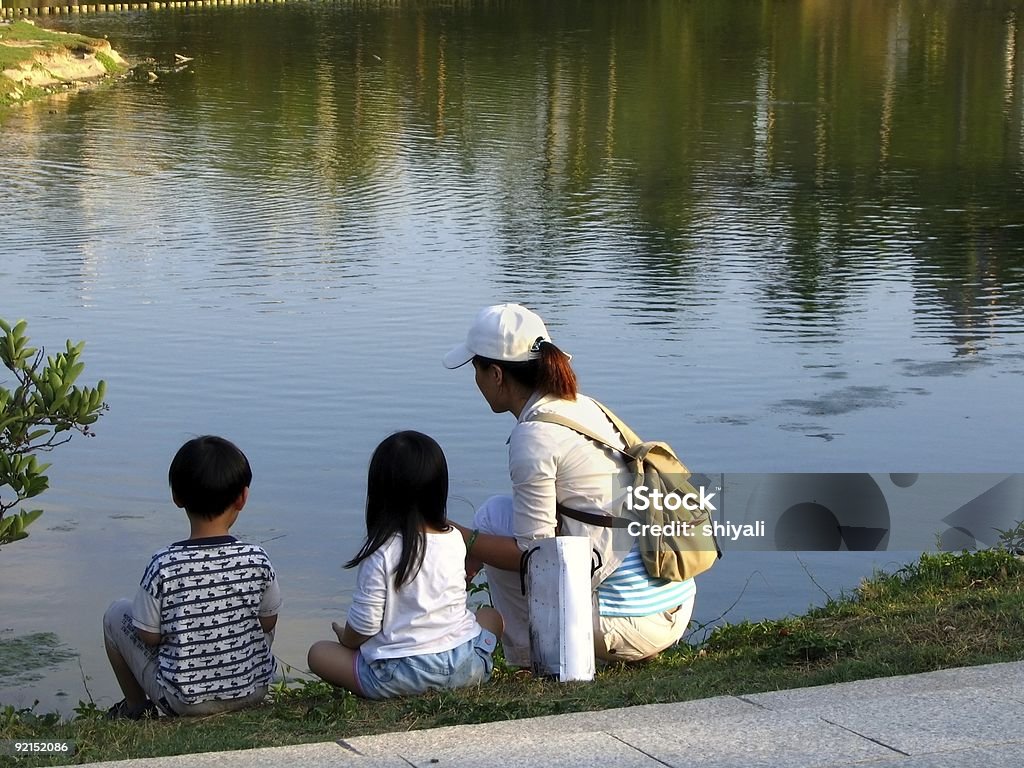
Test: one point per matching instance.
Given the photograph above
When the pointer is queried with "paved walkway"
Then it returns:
(956, 718)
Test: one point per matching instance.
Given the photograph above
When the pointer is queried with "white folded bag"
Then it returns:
(556, 581)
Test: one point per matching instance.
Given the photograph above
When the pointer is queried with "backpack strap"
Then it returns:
(629, 437)
(590, 518)
(554, 418)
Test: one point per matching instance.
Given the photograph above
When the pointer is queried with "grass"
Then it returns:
(942, 611)
(24, 32)
(111, 66)
(12, 56)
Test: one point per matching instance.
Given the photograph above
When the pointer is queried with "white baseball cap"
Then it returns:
(507, 332)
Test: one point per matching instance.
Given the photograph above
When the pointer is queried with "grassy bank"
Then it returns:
(942, 611)
(36, 62)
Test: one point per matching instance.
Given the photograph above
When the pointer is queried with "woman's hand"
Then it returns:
(473, 566)
(489, 549)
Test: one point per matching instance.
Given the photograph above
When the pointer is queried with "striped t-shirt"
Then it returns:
(629, 591)
(205, 597)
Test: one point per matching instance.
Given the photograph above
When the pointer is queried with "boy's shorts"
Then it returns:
(143, 661)
(469, 664)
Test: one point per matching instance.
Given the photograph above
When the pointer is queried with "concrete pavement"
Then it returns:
(956, 718)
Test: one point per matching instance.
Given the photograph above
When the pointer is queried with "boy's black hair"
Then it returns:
(207, 475)
(406, 489)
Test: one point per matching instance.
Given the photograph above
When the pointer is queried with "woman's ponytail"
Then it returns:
(555, 375)
(548, 373)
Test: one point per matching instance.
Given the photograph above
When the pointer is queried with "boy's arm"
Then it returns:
(146, 617)
(270, 604)
(149, 638)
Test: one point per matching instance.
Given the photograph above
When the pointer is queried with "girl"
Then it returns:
(408, 630)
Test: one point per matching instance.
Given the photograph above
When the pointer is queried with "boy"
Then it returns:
(196, 639)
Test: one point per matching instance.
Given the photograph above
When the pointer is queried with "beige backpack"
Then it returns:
(677, 541)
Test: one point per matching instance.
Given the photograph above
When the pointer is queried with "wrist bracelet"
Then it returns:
(472, 541)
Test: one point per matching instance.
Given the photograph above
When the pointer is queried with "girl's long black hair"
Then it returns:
(406, 490)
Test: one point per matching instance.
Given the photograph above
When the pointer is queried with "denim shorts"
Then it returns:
(469, 664)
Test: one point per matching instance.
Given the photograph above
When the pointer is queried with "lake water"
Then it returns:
(782, 236)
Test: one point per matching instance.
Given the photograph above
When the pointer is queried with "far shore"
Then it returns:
(156, 5)
(36, 62)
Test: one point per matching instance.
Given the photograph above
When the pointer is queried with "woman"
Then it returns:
(520, 371)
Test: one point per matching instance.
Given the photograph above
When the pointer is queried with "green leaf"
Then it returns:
(44, 403)
(35, 486)
(73, 373)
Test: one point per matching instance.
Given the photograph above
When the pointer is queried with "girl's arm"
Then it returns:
(366, 614)
(348, 636)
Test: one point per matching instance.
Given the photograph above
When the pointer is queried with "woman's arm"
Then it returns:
(533, 466)
(490, 549)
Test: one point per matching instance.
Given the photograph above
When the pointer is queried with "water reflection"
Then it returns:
(645, 143)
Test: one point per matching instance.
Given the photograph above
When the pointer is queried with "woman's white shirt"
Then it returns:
(549, 463)
(427, 615)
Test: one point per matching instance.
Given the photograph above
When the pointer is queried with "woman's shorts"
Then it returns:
(469, 664)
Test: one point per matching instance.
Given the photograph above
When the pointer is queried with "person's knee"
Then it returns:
(314, 656)
(335, 664)
(495, 516)
(320, 656)
(114, 615)
(491, 620)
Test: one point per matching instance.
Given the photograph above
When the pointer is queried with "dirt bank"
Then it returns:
(35, 62)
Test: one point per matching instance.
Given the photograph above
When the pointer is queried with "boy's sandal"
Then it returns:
(121, 711)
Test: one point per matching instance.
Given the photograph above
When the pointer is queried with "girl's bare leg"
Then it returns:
(491, 620)
(333, 662)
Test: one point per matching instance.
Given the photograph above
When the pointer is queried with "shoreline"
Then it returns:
(37, 62)
(943, 611)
